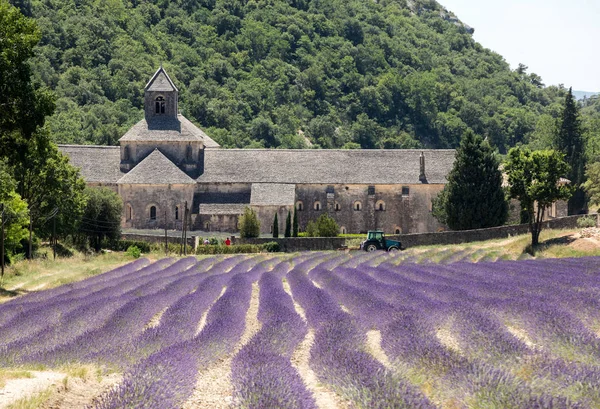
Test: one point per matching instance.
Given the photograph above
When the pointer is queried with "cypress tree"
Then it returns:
(475, 198)
(295, 224)
(570, 141)
(275, 226)
(288, 225)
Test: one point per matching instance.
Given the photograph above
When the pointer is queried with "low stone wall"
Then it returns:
(149, 238)
(467, 236)
(291, 244)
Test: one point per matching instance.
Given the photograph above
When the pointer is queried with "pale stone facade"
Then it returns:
(165, 161)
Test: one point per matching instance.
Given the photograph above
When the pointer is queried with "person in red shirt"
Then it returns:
(227, 241)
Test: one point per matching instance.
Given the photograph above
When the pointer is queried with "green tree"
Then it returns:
(438, 206)
(571, 142)
(15, 212)
(327, 226)
(249, 224)
(288, 225)
(295, 224)
(592, 183)
(534, 180)
(101, 217)
(275, 226)
(24, 107)
(474, 195)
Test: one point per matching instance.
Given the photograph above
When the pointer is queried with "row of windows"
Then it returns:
(151, 212)
(380, 205)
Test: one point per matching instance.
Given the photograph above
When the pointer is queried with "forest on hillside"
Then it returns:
(287, 73)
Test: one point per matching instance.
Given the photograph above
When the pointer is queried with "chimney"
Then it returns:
(422, 176)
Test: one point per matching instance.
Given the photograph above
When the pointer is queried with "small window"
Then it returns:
(343, 230)
(337, 207)
(397, 231)
(371, 190)
(152, 212)
(188, 153)
(405, 191)
(317, 205)
(129, 212)
(299, 206)
(207, 226)
(380, 206)
(159, 105)
(357, 206)
(176, 212)
(126, 153)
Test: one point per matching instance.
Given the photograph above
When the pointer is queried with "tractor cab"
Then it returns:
(376, 241)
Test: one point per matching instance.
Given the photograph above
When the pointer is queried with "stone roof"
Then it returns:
(206, 208)
(320, 166)
(97, 164)
(160, 81)
(163, 129)
(273, 194)
(156, 169)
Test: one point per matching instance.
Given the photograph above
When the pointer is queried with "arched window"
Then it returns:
(380, 205)
(337, 207)
(299, 205)
(129, 212)
(397, 231)
(317, 205)
(152, 212)
(343, 230)
(159, 105)
(357, 206)
(207, 226)
(176, 212)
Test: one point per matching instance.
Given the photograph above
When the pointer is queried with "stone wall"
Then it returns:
(266, 215)
(299, 243)
(138, 199)
(467, 236)
(380, 207)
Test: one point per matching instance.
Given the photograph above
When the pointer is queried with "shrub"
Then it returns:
(233, 249)
(213, 241)
(311, 229)
(123, 245)
(134, 251)
(249, 224)
(586, 221)
(327, 226)
(63, 251)
(271, 247)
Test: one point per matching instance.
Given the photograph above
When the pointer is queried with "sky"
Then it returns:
(557, 39)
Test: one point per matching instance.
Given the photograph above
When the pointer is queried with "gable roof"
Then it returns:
(163, 129)
(325, 166)
(97, 164)
(273, 194)
(160, 81)
(156, 169)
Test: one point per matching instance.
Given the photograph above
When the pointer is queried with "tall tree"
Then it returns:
(295, 224)
(102, 216)
(474, 197)
(249, 224)
(571, 142)
(23, 106)
(275, 226)
(534, 179)
(288, 225)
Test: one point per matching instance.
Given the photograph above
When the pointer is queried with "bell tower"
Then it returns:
(160, 97)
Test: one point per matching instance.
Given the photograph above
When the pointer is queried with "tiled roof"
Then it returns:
(206, 208)
(156, 169)
(97, 164)
(273, 194)
(163, 129)
(160, 81)
(347, 166)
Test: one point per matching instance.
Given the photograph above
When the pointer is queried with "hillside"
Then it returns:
(276, 73)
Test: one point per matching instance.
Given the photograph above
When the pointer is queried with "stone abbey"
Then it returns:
(165, 161)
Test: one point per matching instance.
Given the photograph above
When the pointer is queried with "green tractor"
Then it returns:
(376, 241)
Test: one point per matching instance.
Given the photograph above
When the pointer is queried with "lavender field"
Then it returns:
(323, 330)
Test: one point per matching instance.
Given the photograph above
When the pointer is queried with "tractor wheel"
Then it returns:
(371, 247)
(393, 250)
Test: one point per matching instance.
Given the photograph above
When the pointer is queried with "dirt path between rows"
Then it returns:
(213, 387)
